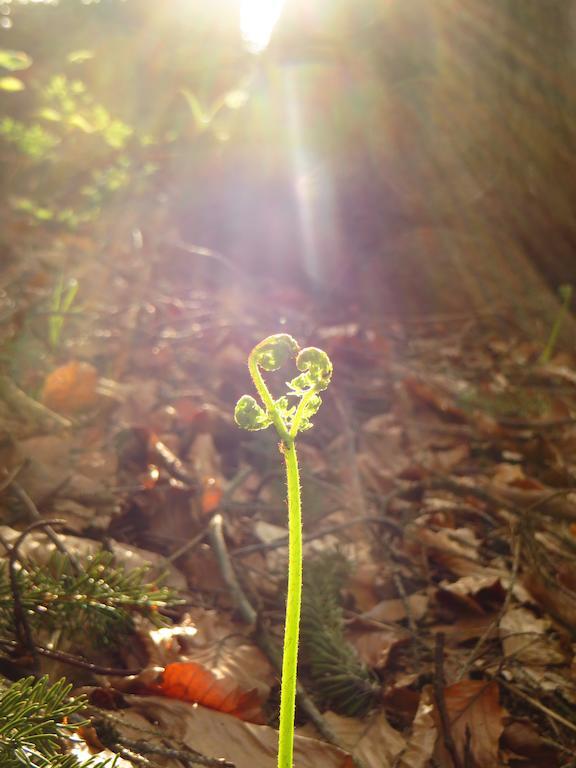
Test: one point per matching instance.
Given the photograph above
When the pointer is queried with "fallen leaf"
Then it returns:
(523, 739)
(454, 548)
(210, 639)
(434, 398)
(422, 740)
(526, 639)
(71, 388)
(395, 610)
(190, 681)
(475, 716)
(220, 735)
(372, 739)
(375, 645)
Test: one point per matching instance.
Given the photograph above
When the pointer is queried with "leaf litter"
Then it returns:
(442, 472)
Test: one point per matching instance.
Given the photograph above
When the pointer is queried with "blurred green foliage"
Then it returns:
(99, 110)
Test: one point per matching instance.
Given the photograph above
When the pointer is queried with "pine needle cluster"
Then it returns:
(341, 680)
(96, 600)
(34, 725)
(100, 597)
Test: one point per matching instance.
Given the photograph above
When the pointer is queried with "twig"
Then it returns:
(228, 491)
(439, 684)
(27, 406)
(269, 647)
(216, 535)
(283, 541)
(9, 477)
(475, 652)
(173, 464)
(188, 757)
(131, 757)
(538, 705)
(189, 546)
(21, 624)
(74, 661)
(50, 532)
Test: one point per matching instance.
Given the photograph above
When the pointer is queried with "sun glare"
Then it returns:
(257, 20)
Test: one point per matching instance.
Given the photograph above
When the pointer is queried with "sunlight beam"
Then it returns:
(257, 20)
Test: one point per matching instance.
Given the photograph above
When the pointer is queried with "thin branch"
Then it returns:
(74, 661)
(283, 541)
(475, 652)
(21, 623)
(50, 532)
(187, 757)
(538, 705)
(439, 684)
(216, 536)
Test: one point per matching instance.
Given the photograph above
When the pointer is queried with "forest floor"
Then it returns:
(439, 492)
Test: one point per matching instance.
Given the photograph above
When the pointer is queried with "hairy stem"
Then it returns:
(266, 397)
(300, 411)
(294, 599)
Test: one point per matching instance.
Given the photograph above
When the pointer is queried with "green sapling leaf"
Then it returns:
(249, 415)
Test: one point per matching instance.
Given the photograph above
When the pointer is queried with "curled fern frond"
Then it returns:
(316, 369)
(249, 415)
(275, 351)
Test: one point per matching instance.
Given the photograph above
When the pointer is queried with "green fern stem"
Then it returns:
(315, 373)
(293, 604)
(266, 397)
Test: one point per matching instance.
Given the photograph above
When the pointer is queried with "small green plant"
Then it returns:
(565, 293)
(102, 597)
(36, 720)
(315, 374)
(341, 681)
(62, 299)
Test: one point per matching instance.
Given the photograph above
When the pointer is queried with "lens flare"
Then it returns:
(257, 20)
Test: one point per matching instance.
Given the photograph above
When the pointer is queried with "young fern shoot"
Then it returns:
(288, 419)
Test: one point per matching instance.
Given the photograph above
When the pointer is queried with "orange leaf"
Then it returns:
(211, 495)
(190, 681)
(476, 716)
(71, 388)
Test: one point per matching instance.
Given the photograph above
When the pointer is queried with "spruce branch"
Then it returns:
(34, 725)
(341, 680)
(103, 597)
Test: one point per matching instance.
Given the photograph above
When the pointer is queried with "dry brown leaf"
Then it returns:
(469, 628)
(453, 548)
(395, 610)
(374, 645)
(382, 455)
(422, 740)
(475, 715)
(219, 735)
(440, 401)
(372, 739)
(564, 506)
(215, 642)
(522, 738)
(526, 638)
(556, 601)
